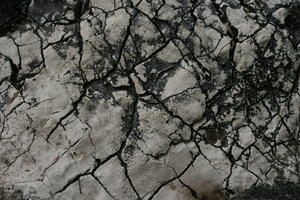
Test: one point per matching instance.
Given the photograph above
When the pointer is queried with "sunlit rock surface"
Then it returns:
(152, 100)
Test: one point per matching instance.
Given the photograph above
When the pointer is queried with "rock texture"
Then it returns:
(147, 99)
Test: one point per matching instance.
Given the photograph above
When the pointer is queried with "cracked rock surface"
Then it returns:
(147, 99)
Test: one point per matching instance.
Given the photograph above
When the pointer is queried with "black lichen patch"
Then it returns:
(34, 64)
(52, 9)
(281, 190)
(292, 22)
(7, 194)
(4, 98)
(12, 14)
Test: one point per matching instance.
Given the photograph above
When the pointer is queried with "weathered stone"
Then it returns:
(152, 100)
